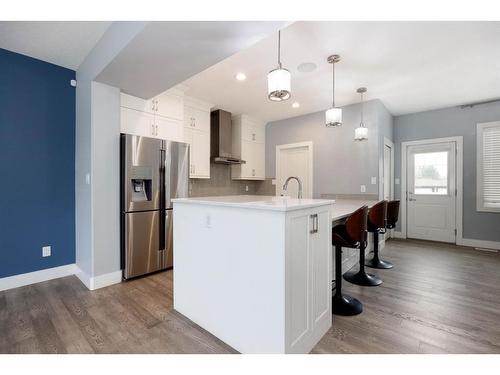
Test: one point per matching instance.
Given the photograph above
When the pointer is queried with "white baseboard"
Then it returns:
(478, 243)
(29, 278)
(101, 281)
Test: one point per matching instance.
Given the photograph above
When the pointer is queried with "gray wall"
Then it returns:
(449, 122)
(341, 164)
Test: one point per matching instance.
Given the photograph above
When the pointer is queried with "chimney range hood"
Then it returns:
(221, 140)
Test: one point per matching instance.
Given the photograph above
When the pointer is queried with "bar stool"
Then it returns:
(392, 219)
(351, 234)
(360, 277)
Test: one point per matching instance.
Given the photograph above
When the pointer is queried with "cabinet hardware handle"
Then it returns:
(152, 129)
(314, 224)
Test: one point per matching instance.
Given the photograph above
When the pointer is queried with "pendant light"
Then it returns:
(278, 80)
(333, 116)
(361, 132)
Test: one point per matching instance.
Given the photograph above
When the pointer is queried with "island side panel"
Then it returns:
(229, 274)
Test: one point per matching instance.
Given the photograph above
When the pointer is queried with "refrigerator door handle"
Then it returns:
(162, 201)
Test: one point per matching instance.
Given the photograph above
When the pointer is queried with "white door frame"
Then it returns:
(309, 145)
(390, 144)
(459, 183)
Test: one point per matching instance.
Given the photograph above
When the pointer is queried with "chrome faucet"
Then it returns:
(285, 186)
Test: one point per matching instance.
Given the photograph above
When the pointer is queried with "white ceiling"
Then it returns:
(164, 54)
(61, 43)
(410, 66)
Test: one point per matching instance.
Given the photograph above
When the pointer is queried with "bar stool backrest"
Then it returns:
(377, 216)
(356, 224)
(392, 214)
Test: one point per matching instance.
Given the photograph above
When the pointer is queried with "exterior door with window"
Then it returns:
(431, 193)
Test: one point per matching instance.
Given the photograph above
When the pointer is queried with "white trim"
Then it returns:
(29, 278)
(309, 145)
(479, 166)
(390, 144)
(479, 243)
(459, 181)
(101, 281)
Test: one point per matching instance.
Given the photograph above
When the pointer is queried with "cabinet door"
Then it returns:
(188, 138)
(170, 129)
(139, 104)
(260, 160)
(253, 132)
(136, 122)
(320, 245)
(168, 105)
(201, 154)
(247, 154)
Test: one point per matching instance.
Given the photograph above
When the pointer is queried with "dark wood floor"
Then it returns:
(437, 299)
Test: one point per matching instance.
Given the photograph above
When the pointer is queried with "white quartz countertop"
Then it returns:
(261, 202)
(344, 207)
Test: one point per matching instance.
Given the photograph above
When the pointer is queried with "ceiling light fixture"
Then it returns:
(241, 76)
(333, 116)
(278, 80)
(296, 105)
(361, 132)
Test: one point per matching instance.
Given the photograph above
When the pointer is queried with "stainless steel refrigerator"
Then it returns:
(153, 171)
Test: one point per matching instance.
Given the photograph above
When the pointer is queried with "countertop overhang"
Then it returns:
(260, 202)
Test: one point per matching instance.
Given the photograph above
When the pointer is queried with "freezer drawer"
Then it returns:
(142, 243)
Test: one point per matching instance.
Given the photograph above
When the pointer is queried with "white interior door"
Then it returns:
(431, 197)
(294, 160)
(388, 172)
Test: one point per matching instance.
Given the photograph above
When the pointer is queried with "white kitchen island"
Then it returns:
(255, 271)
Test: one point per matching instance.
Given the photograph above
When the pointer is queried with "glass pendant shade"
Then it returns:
(278, 84)
(333, 117)
(361, 133)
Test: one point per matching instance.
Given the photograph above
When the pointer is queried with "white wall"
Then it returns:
(106, 178)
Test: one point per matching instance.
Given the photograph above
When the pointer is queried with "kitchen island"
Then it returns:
(255, 271)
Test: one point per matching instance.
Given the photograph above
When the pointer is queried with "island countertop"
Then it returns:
(261, 202)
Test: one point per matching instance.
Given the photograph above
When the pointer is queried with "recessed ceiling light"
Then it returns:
(307, 67)
(241, 76)
(296, 105)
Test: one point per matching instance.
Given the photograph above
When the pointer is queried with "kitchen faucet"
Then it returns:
(285, 186)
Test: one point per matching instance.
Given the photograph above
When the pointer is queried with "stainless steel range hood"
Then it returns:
(221, 139)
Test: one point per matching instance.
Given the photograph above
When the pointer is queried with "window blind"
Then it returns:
(491, 166)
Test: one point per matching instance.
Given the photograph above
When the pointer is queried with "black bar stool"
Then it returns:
(360, 277)
(351, 234)
(392, 219)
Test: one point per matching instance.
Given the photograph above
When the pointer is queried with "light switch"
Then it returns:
(273, 181)
(87, 178)
(374, 180)
(363, 188)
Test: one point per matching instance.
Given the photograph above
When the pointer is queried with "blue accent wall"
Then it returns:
(37, 164)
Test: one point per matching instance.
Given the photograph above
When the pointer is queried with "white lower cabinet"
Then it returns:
(199, 152)
(308, 278)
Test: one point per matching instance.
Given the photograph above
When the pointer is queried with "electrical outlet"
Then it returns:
(396, 181)
(46, 251)
(374, 180)
(273, 181)
(246, 188)
(208, 221)
(363, 188)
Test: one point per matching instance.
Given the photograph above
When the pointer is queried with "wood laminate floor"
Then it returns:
(437, 299)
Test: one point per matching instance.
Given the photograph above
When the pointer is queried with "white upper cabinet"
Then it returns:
(160, 117)
(249, 143)
(197, 134)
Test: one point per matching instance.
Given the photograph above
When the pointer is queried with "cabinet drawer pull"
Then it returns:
(314, 224)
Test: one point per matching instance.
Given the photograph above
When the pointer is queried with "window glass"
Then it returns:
(431, 173)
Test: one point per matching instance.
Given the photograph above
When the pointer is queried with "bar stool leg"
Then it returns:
(343, 304)
(361, 277)
(376, 262)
